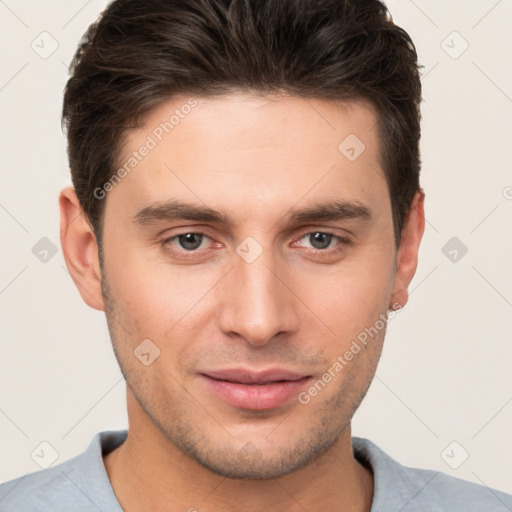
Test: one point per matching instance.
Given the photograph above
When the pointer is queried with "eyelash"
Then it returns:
(342, 243)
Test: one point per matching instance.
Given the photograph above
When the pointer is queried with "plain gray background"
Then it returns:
(443, 390)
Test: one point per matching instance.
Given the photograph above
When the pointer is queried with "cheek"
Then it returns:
(351, 297)
(155, 299)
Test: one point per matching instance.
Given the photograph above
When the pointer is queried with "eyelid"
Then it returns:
(342, 240)
(190, 231)
(326, 230)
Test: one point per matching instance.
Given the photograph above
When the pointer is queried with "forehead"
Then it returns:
(237, 150)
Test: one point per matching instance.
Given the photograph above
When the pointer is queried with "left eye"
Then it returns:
(321, 240)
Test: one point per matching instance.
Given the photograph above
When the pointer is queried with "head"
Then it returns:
(246, 195)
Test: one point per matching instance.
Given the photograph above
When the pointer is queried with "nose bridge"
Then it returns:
(257, 305)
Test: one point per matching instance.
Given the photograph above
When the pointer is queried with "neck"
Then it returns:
(148, 472)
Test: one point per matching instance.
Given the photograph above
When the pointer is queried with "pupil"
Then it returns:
(187, 241)
(323, 238)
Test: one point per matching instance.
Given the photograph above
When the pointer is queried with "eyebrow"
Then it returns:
(324, 211)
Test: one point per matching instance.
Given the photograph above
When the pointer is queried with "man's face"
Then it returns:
(267, 291)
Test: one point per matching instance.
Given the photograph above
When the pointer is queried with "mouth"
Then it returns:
(255, 390)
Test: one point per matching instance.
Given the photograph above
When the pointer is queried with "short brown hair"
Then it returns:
(141, 53)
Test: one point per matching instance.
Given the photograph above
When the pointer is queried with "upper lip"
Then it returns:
(249, 376)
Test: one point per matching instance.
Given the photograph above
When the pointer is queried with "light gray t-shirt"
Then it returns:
(81, 484)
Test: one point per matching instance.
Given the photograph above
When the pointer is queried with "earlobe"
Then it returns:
(407, 255)
(80, 249)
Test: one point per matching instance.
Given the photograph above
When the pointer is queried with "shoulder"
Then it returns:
(80, 483)
(412, 489)
(42, 489)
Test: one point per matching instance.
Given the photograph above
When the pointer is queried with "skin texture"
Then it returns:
(299, 305)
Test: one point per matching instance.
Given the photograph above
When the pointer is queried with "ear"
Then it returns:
(407, 255)
(80, 249)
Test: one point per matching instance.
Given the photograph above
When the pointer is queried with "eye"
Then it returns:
(193, 243)
(189, 242)
(321, 240)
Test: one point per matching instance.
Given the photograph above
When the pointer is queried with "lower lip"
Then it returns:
(256, 396)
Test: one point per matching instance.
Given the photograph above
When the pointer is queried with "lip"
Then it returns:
(256, 390)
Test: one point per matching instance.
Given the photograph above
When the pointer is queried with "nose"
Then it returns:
(257, 302)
